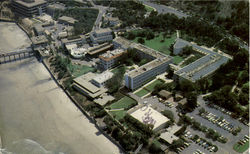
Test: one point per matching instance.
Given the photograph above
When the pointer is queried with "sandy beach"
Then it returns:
(12, 37)
(35, 112)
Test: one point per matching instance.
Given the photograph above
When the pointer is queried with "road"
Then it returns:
(102, 11)
(165, 9)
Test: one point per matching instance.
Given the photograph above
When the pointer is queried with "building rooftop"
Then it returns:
(39, 39)
(169, 134)
(125, 44)
(148, 115)
(111, 54)
(100, 48)
(165, 93)
(38, 28)
(56, 6)
(148, 50)
(104, 99)
(31, 3)
(68, 19)
(203, 66)
(150, 65)
(86, 84)
(83, 83)
(103, 30)
(168, 137)
(103, 77)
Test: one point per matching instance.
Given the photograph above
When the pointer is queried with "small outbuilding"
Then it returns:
(165, 94)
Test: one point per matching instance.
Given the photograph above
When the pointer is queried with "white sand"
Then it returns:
(33, 107)
(12, 37)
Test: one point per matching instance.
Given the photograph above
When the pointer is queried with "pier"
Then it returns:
(16, 55)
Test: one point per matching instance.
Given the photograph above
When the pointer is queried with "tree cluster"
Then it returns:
(115, 82)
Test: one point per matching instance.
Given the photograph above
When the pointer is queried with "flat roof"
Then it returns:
(68, 19)
(148, 115)
(104, 99)
(148, 50)
(95, 50)
(150, 65)
(103, 30)
(203, 66)
(30, 4)
(101, 78)
(169, 137)
(111, 54)
(123, 42)
(39, 39)
(86, 84)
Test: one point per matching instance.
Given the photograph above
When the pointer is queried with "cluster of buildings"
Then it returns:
(200, 68)
(159, 63)
(92, 85)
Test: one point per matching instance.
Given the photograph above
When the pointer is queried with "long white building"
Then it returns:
(137, 77)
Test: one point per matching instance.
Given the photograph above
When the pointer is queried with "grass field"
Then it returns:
(157, 44)
(78, 70)
(142, 92)
(177, 59)
(118, 114)
(151, 86)
(123, 103)
(148, 8)
(241, 148)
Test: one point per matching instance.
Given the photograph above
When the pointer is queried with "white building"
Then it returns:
(149, 116)
(75, 51)
(101, 35)
(102, 78)
(137, 77)
(110, 58)
(91, 84)
(159, 64)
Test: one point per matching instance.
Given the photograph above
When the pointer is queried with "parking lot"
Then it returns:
(231, 138)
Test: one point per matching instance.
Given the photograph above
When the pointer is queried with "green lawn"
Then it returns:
(142, 92)
(157, 44)
(151, 86)
(177, 59)
(78, 70)
(148, 8)
(156, 142)
(241, 148)
(123, 103)
(190, 60)
(118, 114)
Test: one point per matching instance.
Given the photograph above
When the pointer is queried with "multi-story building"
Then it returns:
(200, 68)
(101, 35)
(137, 77)
(159, 63)
(110, 58)
(29, 8)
